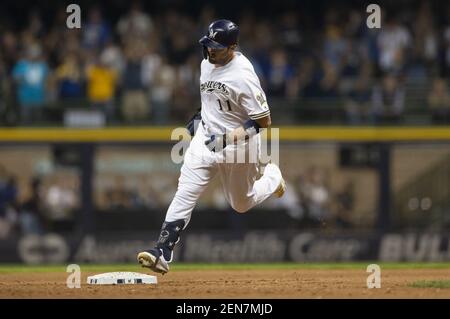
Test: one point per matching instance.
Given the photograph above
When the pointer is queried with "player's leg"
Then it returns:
(243, 190)
(193, 180)
(196, 172)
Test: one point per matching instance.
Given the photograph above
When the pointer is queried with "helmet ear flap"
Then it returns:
(205, 52)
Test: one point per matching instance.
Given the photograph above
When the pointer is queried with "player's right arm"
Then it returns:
(250, 128)
(242, 133)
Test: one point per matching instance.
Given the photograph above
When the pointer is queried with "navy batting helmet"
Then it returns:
(221, 34)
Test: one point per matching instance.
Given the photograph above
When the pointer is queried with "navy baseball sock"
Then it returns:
(169, 237)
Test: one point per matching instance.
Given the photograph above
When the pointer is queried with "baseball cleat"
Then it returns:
(154, 260)
(273, 169)
(279, 192)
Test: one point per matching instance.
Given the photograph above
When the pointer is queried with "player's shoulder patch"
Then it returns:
(262, 100)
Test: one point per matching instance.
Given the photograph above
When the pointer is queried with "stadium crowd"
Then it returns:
(143, 66)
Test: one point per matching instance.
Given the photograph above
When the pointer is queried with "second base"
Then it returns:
(119, 278)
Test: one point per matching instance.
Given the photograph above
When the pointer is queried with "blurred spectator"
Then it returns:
(439, 101)
(280, 73)
(161, 92)
(186, 96)
(446, 65)
(388, 100)
(334, 47)
(31, 75)
(262, 41)
(35, 26)
(101, 87)
(345, 201)
(96, 31)
(135, 103)
(8, 203)
(60, 198)
(357, 102)
(136, 24)
(147, 195)
(177, 45)
(9, 47)
(69, 77)
(290, 35)
(307, 77)
(31, 218)
(328, 83)
(113, 56)
(151, 61)
(290, 202)
(315, 194)
(119, 197)
(178, 48)
(425, 46)
(3, 90)
(393, 42)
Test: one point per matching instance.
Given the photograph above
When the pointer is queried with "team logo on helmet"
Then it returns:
(212, 34)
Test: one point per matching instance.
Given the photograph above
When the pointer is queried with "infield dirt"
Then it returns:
(234, 284)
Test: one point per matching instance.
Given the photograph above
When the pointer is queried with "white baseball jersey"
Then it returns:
(231, 94)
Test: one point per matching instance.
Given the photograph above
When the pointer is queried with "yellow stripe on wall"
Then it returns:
(364, 133)
(154, 134)
(286, 133)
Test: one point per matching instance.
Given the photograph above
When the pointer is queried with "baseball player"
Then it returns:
(233, 111)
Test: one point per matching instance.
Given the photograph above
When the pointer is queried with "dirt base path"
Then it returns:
(241, 284)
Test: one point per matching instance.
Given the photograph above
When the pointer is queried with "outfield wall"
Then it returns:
(224, 247)
(373, 182)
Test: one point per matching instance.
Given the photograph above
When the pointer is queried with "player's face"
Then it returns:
(219, 56)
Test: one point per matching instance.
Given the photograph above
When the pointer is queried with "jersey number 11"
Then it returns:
(220, 105)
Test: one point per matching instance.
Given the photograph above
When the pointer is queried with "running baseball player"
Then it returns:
(233, 111)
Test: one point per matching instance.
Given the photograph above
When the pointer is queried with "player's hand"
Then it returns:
(216, 143)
